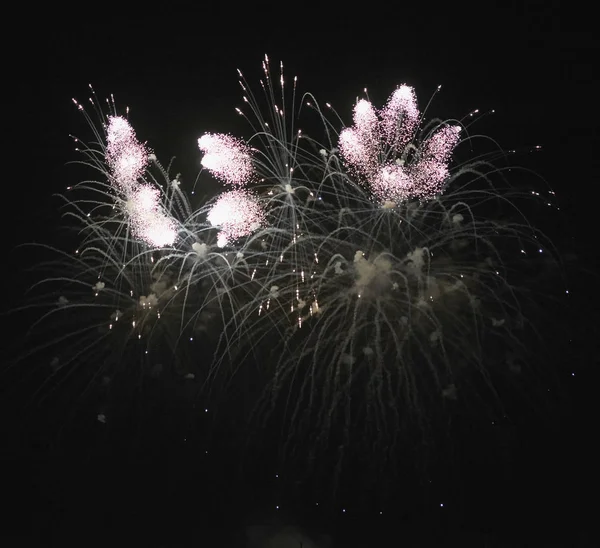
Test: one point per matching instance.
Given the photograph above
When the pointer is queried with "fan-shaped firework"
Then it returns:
(363, 274)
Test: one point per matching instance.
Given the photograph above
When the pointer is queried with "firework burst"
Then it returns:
(362, 273)
(236, 214)
(379, 149)
(226, 157)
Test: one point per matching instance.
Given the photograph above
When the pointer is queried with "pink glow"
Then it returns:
(400, 117)
(374, 150)
(392, 183)
(430, 170)
(359, 144)
(126, 156)
(236, 213)
(227, 158)
(148, 220)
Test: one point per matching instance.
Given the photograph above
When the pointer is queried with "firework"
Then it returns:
(380, 150)
(127, 160)
(400, 117)
(148, 222)
(236, 214)
(363, 273)
(227, 158)
(125, 156)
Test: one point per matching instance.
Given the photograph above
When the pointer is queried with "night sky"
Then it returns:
(169, 479)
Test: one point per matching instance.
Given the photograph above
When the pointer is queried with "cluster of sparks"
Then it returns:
(237, 213)
(125, 155)
(227, 158)
(377, 150)
(128, 159)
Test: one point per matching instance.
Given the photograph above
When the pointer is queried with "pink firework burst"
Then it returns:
(126, 156)
(399, 118)
(392, 183)
(430, 171)
(236, 213)
(227, 158)
(148, 220)
(360, 144)
(375, 150)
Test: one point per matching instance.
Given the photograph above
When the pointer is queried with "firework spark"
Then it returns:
(400, 117)
(127, 159)
(149, 222)
(227, 158)
(126, 156)
(375, 149)
(430, 171)
(360, 145)
(237, 213)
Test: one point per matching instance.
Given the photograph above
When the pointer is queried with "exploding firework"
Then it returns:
(237, 214)
(364, 274)
(227, 158)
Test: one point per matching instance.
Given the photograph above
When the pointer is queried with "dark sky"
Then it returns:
(535, 63)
